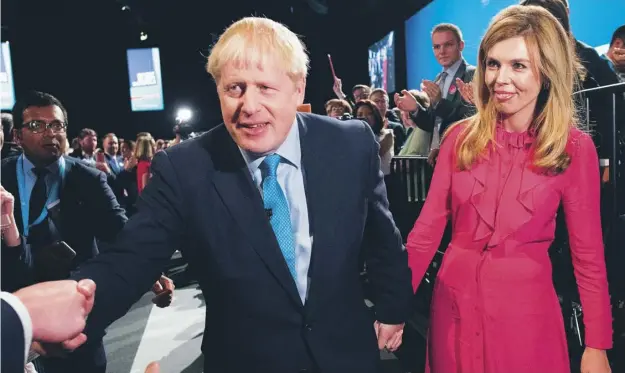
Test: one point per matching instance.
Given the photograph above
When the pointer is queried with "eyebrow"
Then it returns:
(514, 60)
(450, 41)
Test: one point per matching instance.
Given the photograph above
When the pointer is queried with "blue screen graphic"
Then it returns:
(592, 21)
(144, 74)
(7, 91)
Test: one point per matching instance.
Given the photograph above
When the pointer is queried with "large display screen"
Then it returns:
(7, 91)
(146, 85)
(382, 63)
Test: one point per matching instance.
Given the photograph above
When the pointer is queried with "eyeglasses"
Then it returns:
(39, 126)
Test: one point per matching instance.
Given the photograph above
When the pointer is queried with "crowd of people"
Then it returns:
(274, 209)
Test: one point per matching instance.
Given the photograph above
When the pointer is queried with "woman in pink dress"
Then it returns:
(144, 152)
(500, 178)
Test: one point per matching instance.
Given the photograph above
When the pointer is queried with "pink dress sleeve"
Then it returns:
(427, 232)
(583, 220)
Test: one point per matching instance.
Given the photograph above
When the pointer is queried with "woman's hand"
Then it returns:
(595, 361)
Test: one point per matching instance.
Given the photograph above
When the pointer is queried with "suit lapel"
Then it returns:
(321, 207)
(453, 93)
(238, 192)
(68, 195)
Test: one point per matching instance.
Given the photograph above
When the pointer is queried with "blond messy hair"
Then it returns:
(554, 60)
(252, 41)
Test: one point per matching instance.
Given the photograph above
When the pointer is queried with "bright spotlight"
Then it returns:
(183, 115)
(143, 36)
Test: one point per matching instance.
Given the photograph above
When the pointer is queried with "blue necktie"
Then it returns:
(280, 217)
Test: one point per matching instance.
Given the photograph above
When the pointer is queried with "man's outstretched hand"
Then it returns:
(58, 309)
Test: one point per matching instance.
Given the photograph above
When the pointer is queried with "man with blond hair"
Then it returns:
(269, 209)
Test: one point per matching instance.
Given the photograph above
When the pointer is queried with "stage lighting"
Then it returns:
(184, 115)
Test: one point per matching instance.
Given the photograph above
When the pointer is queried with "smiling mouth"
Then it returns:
(258, 125)
(503, 96)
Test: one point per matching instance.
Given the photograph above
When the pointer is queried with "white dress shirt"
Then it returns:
(291, 179)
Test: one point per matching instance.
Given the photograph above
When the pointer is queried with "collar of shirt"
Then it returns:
(290, 150)
(53, 167)
(453, 69)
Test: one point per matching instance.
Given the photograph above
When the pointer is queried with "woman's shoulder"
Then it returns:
(579, 140)
(453, 131)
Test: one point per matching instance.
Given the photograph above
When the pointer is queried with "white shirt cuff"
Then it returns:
(604, 162)
(22, 313)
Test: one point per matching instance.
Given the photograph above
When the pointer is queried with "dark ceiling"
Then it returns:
(75, 49)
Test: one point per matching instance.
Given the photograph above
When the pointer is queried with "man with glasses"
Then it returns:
(61, 205)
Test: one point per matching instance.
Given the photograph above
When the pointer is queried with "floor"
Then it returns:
(173, 337)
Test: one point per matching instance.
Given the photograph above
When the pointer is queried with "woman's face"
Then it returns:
(511, 78)
(365, 113)
(125, 150)
(335, 111)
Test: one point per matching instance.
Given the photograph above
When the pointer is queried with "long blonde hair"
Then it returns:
(554, 58)
(144, 150)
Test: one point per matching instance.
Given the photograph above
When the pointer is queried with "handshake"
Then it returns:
(57, 314)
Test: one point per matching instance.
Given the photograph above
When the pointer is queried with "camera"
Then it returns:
(185, 131)
(345, 116)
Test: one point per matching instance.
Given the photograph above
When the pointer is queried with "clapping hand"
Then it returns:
(432, 90)
(466, 91)
(10, 233)
(618, 55)
(406, 101)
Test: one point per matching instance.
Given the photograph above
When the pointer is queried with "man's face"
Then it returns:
(447, 49)
(111, 145)
(361, 94)
(41, 144)
(381, 101)
(259, 104)
(88, 144)
(617, 54)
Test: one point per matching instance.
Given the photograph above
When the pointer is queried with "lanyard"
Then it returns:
(53, 195)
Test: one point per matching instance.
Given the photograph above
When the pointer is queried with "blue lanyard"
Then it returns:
(53, 195)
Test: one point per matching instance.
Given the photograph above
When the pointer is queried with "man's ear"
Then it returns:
(300, 89)
(17, 136)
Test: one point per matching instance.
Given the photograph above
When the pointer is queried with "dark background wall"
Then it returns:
(76, 50)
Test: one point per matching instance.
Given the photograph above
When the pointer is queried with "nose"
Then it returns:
(49, 132)
(250, 103)
(503, 75)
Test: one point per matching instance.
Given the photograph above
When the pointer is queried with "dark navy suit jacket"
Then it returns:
(88, 210)
(202, 200)
(12, 340)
